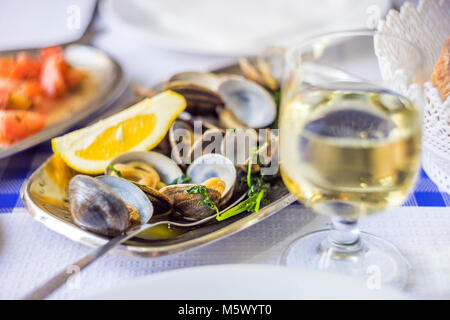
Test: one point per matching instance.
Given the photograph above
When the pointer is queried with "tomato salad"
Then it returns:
(29, 85)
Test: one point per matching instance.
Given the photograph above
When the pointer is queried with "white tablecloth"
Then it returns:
(30, 253)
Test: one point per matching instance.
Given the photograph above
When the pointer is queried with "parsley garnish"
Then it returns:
(117, 172)
(276, 97)
(199, 189)
(257, 189)
(181, 180)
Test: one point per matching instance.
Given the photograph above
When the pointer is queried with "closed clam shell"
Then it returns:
(186, 204)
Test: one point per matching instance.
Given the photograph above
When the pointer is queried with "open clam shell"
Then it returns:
(237, 145)
(162, 204)
(271, 63)
(181, 138)
(228, 120)
(214, 165)
(209, 142)
(250, 103)
(166, 168)
(268, 69)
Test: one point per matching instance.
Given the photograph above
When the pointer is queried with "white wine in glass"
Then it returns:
(349, 147)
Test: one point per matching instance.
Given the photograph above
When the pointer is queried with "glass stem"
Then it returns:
(344, 235)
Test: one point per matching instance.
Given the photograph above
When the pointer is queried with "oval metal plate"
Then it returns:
(46, 202)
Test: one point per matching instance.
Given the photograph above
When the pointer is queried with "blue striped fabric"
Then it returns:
(14, 171)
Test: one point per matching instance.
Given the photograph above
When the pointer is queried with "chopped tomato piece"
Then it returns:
(73, 77)
(25, 67)
(4, 98)
(51, 52)
(19, 124)
(6, 66)
(52, 79)
(32, 88)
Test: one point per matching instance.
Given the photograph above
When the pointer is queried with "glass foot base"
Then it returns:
(374, 260)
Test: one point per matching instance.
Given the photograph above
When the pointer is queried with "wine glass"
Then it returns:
(349, 147)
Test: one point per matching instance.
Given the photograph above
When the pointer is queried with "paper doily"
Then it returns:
(427, 26)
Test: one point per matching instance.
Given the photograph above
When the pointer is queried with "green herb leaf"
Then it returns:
(181, 180)
(250, 164)
(276, 97)
(199, 189)
(257, 189)
(117, 172)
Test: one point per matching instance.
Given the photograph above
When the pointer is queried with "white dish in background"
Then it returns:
(195, 26)
(241, 281)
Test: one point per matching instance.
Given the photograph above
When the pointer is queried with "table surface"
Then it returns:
(30, 253)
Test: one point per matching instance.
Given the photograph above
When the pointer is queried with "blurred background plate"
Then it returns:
(236, 27)
(107, 76)
(256, 282)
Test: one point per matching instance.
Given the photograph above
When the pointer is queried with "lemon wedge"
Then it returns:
(139, 127)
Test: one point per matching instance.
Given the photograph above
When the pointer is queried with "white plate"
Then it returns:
(240, 281)
(183, 26)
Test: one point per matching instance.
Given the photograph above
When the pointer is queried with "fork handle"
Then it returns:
(59, 279)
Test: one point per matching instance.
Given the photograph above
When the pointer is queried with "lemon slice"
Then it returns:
(139, 127)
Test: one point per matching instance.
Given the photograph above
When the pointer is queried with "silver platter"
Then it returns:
(46, 202)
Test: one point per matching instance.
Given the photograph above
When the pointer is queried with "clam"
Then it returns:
(250, 103)
(199, 90)
(210, 142)
(186, 204)
(130, 194)
(214, 165)
(100, 204)
(207, 80)
(166, 171)
(162, 204)
(182, 137)
(228, 120)
(271, 62)
(237, 145)
(266, 155)
(269, 67)
(250, 71)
